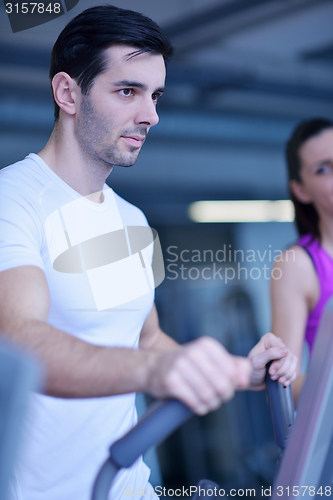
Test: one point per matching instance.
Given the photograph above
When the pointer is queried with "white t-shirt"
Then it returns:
(101, 293)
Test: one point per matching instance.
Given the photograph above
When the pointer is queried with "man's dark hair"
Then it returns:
(306, 215)
(80, 47)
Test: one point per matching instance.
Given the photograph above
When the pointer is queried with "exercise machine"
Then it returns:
(163, 418)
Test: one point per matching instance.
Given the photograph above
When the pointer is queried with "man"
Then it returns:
(88, 316)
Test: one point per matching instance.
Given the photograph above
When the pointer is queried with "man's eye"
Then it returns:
(156, 97)
(323, 169)
(126, 92)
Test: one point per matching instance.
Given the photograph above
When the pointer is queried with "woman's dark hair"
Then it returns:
(306, 216)
(80, 47)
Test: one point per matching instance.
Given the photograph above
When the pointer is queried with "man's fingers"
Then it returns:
(260, 360)
(286, 373)
(202, 374)
(270, 340)
(177, 387)
(210, 372)
(194, 372)
(266, 342)
(223, 364)
(284, 369)
(244, 372)
(278, 367)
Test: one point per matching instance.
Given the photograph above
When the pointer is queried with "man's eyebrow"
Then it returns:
(139, 85)
(322, 162)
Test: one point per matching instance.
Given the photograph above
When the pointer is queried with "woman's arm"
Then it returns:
(294, 293)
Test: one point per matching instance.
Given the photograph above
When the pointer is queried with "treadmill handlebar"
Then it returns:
(161, 420)
(164, 417)
(281, 405)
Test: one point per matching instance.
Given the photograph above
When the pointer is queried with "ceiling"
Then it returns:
(244, 73)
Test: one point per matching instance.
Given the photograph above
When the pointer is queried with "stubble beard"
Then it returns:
(93, 132)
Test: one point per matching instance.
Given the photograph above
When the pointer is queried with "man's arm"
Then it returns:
(74, 368)
(269, 348)
(152, 337)
(202, 373)
(77, 369)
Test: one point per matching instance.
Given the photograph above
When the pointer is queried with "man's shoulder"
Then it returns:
(24, 177)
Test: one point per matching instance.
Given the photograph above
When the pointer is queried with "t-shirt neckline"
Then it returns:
(99, 207)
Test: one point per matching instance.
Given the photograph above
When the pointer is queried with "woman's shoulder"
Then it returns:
(296, 258)
(297, 268)
(296, 276)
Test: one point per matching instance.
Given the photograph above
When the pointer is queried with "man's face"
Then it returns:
(114, 118)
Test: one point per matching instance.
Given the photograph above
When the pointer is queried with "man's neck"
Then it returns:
(63, 156)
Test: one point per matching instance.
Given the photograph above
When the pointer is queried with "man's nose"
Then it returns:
(147, 114)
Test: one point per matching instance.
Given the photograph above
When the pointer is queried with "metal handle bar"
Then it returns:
(164, 417)
(161, 420)
(281, 405)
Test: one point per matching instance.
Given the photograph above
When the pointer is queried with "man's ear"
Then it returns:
(66, 92)
(300, 192)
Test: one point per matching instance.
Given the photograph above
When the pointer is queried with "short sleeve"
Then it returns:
(21, 233)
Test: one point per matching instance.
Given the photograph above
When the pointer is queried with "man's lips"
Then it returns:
(134, 140)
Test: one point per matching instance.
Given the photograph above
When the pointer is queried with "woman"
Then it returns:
(306, 282)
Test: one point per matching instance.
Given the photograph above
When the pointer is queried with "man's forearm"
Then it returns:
(77, 369)
(161, 342)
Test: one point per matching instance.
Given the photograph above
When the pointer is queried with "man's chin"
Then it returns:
(124, 166)
(127, 162)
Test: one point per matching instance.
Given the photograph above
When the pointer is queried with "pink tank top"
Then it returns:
(323, 264)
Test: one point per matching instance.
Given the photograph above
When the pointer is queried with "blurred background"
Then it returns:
(244, 73)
